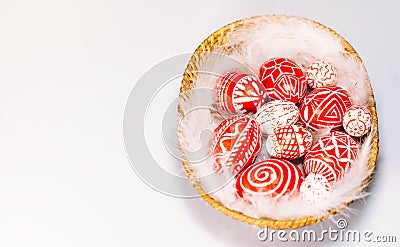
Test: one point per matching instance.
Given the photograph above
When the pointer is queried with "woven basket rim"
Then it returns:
(216, 40)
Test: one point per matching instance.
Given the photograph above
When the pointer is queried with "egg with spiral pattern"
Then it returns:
(274, 178)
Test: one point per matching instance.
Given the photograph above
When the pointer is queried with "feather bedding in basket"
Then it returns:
(251, 45)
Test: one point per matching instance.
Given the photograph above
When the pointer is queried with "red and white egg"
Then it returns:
(320, 74)
(357, 121)
(283, 79)
(238, 92)
(290, 142)
(331, 156)
(315, 188)
(273, 178)
(236, 143)
(325, 107)
(277, 113)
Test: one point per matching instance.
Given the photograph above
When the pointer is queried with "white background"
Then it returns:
(66, 70)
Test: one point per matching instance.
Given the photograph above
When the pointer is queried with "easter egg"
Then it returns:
(315, 188)
(320, 74)
(331, 156)
(236, 143)
(238, 92)
(273, 178)
(290, 142)
(283, 79)
(357, 121)
(325, 107)
(276, 113)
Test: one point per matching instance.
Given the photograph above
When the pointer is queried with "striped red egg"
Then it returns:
(331, 156)
(236, 143)
(290, 142)
(276, 113)
(325, 107)
(238, 92)
(273, 178)
(283, 79)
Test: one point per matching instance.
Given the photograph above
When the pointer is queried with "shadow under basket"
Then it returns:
(218, 42)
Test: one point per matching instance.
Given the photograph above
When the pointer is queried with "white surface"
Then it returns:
(66, 70)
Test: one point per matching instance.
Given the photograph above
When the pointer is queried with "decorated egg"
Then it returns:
(239, 93)
(320, 74)
(315, 188)
(273, 178)
(290, 142)
(236, 143)
(283, 79)
(357, 121)
(331, 156)
(325, 107)
(277, 113)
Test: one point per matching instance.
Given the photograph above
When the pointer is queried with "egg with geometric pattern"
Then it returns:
(324, 107)
(290, 142)
(331, 156)
(283, 79)
(239, 92)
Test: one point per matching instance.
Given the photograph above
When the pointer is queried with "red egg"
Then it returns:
(325, 107)
(290, 142)
(273, 178)
(240, 93)
(283, 79)
(236, 143)
(331, 156)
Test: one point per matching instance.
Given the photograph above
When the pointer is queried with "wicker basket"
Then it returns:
(216, 41)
